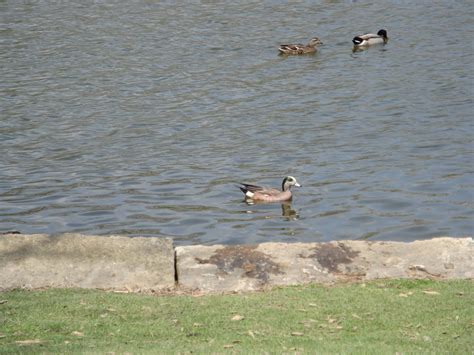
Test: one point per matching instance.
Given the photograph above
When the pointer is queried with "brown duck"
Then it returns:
(295, 49)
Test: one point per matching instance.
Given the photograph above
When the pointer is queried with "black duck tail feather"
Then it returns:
(243, 189)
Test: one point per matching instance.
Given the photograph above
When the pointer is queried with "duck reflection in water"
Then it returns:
(289, 213)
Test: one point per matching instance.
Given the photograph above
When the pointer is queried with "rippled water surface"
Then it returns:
(139, 118)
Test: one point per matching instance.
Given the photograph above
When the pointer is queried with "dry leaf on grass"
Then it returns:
(29, 342)
(308, 323)
(427, 292)
(237, 317)
(228, 346)
(297, 334)
(78, 334)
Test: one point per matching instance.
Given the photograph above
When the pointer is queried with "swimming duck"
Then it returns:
(370, 39)
(300, 48)
(258, 193)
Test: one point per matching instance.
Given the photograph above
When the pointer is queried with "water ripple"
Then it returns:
(139, 118)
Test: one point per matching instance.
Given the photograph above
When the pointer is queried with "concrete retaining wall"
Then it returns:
(74, 260)
(151, 264)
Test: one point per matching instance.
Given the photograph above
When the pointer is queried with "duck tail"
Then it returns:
(357, 40)
(243, 189)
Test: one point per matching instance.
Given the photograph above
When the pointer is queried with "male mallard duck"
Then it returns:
(370, 39)
(258, 193)
(300, 48)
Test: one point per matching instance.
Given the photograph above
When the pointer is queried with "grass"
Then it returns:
(404, 316)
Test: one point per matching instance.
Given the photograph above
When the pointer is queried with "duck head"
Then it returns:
(289, 182)
(314, 42)
(383, 34)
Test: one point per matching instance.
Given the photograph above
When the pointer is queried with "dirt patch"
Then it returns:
(255, 264)
(330, 256)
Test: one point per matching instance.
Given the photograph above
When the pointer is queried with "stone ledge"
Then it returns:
(223, 268)
(75, 260)
(148, 264)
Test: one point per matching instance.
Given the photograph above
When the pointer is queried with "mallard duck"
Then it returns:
(300, 48)
(370, 39)
(258, 193)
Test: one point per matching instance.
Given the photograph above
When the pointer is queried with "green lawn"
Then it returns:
(404, 316)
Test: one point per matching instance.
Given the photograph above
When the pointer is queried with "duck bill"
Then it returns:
(298, 185)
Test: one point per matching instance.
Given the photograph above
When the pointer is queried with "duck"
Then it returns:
(370, 39)
(262, 194)
(295, 49)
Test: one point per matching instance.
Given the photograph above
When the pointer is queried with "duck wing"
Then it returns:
(291, 47)
(258, 189)
(361, 38)
(269, 192)
(369, 36)
(248, 187)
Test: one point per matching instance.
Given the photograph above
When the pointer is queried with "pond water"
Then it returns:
(140, 117)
